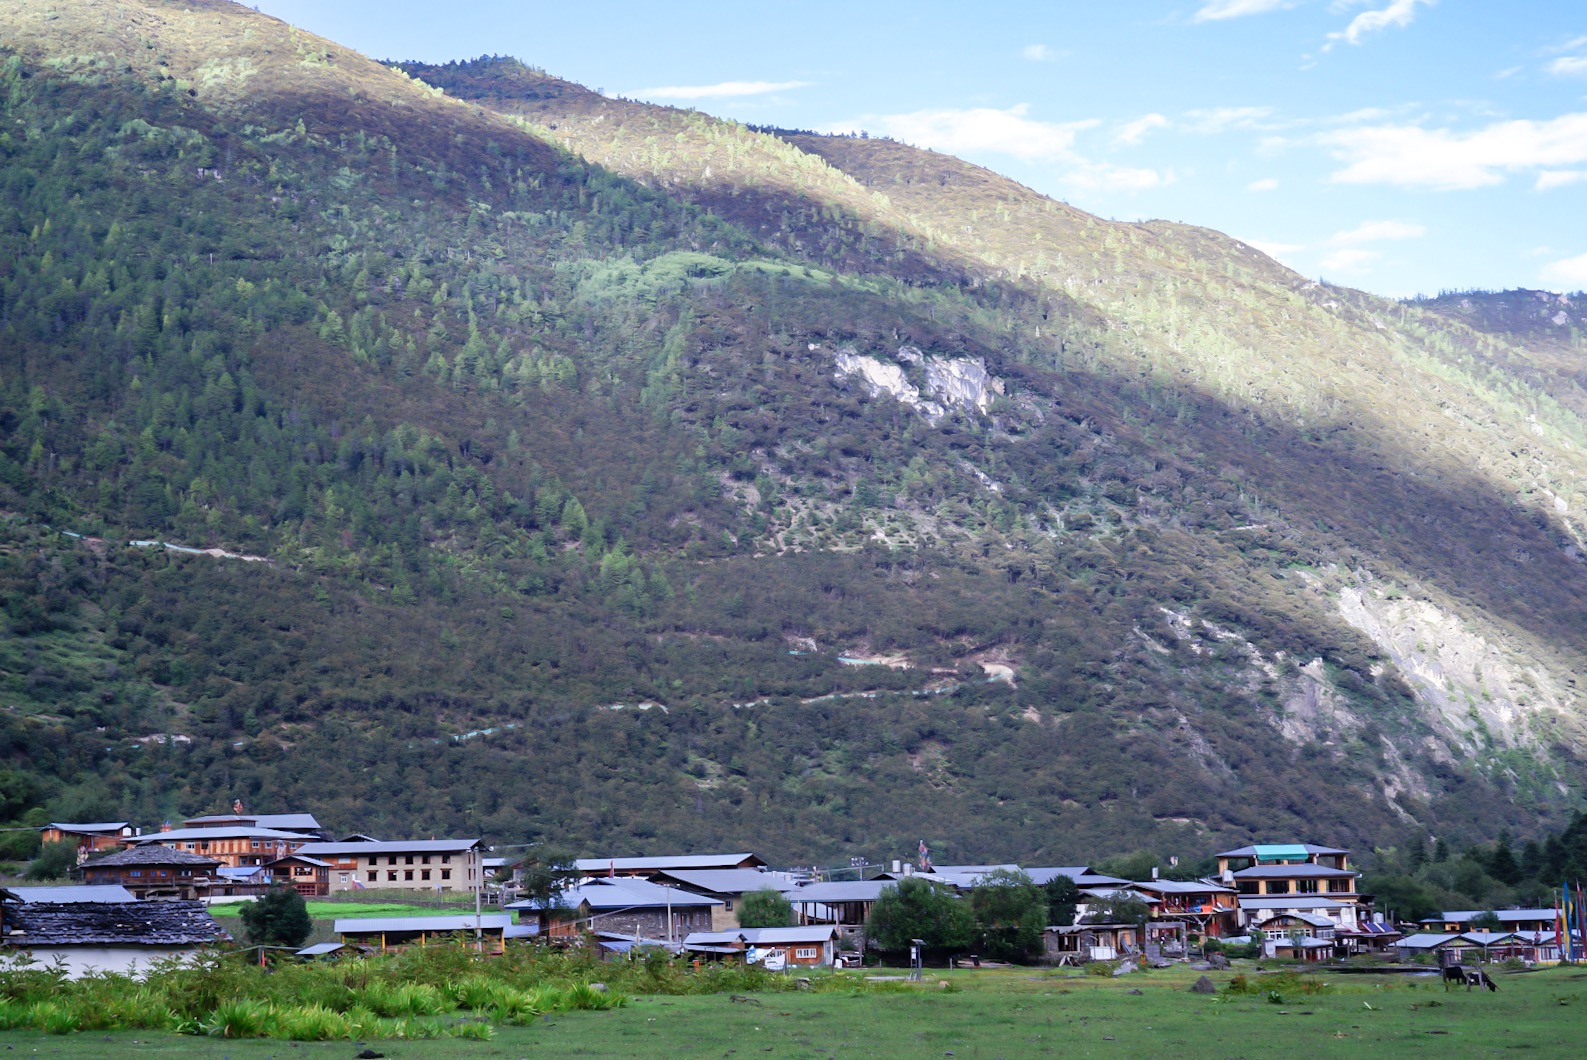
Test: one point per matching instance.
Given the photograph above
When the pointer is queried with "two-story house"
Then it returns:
(407, 864)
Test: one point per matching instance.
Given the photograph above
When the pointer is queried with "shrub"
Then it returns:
(240, 1018)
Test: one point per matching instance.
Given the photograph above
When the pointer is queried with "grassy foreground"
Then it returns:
(996, 1014)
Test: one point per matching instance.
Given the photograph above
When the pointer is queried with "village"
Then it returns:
(149, 895)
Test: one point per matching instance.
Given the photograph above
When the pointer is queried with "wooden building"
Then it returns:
(90, 838)
(154, 872)
(808, 946)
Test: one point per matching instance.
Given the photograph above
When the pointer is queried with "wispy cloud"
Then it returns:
(721, 89)
(1265, 184)
(1569, 273)
(979, 130)
(1399, 13)
(1133, 132)
(1569, 66)
(1275, 250)
(972, 129)
(1350, 259)
(1037, 53)
(1558, 178)
(1212, 120)
(1373, 231)
(1441, 159)
(1219, 10)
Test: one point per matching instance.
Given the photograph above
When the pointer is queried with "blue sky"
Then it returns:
(1400, 146)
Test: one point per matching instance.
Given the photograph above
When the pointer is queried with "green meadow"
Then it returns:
(1007, 1013)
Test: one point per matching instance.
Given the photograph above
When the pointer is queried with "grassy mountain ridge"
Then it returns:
(534, 437)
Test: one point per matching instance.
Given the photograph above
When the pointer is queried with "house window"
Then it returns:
(446, 859)
(805, 953)
(373, 875)
(728, 905)
(446, 874)
(391, 875)
(392, 860)
(424, 874)
(135, 872)
(255, 843)
(1277, 886)
(1305, 886)
(407, 874)
(409, 860)
(426, 859)
(341, 877)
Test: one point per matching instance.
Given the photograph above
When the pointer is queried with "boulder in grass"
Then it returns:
(1203, 986)
(1219, 962)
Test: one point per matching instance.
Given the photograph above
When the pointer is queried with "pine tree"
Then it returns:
(279, 917)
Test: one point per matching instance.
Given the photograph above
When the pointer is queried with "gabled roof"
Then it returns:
(623, 892)
(1266, 851)
(1305, 871)
(1463, 916)
(1305, 918)
(291, 822)
(113, 924)
(87, 892)
(1181, 887)
(662, 862)
(439, 924)
(304, 858)
(190, 835)
(726, 881)
(839, 891)
(1291, 901)
(405, 846)
(101, 828)
(152, 855)
(762, 936)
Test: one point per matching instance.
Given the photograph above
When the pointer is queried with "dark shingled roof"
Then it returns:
(153, 854)
(112, 924)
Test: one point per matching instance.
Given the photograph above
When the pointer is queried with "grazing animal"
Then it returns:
(1478, 977)
(1454, 973)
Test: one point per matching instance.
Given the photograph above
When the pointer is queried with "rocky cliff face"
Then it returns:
(947, 383)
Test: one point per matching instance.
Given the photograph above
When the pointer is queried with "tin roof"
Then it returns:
(728, 881)
(623, 892)
(438, 924)
(663, 862)
(189, 835)
(1268, 851)
(840, 891)
(762, 936)
(408, 846)
(99, 828)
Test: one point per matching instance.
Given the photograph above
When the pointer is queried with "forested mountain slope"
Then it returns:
(638, 480)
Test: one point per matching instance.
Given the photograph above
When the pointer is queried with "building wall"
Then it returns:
(413, 872)
(80, 961)
(652, 923)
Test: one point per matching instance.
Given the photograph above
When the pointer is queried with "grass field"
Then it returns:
(1015, 1013)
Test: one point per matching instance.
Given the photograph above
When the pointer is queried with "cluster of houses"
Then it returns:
(1299, 900)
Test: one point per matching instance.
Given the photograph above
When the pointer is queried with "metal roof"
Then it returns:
(410, 846)
(1074, 872)
(320, 949)
(840, 891)
(763, 936)
(188, 835)
(623, 892)
(87, 892)
(1181, 887)
(1291, 901)
(99, 828)
(1305, 918)
(728, 881)
(1304, 849)
(1306, 871)
(438, 924)
(1461, 916)
(666, 861)
(292, 822)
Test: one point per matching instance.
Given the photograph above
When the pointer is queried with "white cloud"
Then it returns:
(1558, 178)
(1213, 120)
(1570, 273)
(1218, 10)
(1350, 259)
(1100, 176)
(1569, 46)
(1409, 155)
(1275, 250)
(1373, 231)
(1133, 132)
(1398, 13)
(724, 88)
(973, 129)
(1265, 184)
(1037, 53)
(1569, 66)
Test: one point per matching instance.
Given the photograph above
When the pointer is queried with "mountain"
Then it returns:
(624, 478)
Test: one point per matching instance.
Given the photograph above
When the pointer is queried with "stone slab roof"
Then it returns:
(112, 924)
